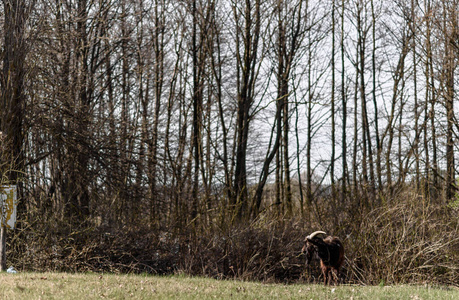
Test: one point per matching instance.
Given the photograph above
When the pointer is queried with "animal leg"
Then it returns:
(325, 274)
(336, 276)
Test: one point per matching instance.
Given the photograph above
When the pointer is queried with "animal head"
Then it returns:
(311, 243)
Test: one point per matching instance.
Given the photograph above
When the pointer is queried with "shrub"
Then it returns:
(405, 241)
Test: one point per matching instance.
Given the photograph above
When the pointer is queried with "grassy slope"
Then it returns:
(108, 286)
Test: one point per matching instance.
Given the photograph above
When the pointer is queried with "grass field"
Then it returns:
(110, 286)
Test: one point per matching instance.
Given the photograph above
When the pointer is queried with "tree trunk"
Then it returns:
(12, 93)
(246, 77)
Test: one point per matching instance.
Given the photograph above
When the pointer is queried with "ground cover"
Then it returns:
(112, 286)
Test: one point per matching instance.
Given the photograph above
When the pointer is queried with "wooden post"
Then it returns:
(8, 206)
(3, 248)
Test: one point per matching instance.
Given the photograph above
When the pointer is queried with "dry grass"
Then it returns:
(96, 286)
(408, 241)
(405, 240)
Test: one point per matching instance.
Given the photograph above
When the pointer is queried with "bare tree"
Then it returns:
(247, 16)
(12, 98)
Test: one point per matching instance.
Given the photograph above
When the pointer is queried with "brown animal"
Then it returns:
(330, 251)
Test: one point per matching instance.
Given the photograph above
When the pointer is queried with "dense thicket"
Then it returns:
(199, 120)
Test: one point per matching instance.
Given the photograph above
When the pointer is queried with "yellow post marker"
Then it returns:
(8, 195)
(8, 207)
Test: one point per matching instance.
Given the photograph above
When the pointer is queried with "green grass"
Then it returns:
(110, 286)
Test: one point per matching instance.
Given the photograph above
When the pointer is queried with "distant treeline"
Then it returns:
(173, 114)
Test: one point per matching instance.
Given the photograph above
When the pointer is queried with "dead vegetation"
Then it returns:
(403, 241)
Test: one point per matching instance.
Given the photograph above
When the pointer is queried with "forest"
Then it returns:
(210, 137)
